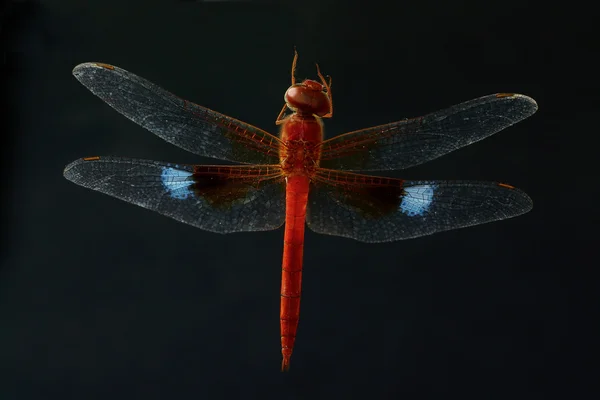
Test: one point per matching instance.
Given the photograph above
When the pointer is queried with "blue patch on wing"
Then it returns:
(177, 182)
(417, 199)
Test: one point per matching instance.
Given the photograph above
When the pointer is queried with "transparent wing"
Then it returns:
(192, 127)
(414, 141)
(216, 198)
(377, 209)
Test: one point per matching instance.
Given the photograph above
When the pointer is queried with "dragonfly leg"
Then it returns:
(328, 87)
(280, 117)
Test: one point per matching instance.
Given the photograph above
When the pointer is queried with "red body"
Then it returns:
(302, 134)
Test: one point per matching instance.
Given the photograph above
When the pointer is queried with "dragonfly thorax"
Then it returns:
(299, 157)
(308, 97)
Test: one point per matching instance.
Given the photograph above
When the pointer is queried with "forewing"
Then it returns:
(377, 209)
(414, 141)
(216, 198)
(192, 127)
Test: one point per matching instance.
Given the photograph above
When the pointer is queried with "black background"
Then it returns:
(100, 299)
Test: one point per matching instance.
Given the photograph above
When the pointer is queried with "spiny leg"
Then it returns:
(280, 117)
(328, 87)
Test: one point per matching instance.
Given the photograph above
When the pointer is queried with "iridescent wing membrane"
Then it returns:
(251, 198)
(377, 209)
(192, 127)
(411, 142)
(217, 198)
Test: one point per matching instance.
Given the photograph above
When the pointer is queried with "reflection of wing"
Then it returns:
(218, 198)
(414, 141)
(187, 125)
(377, 209)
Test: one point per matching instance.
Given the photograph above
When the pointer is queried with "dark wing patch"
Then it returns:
(377, 209)
(216, 198)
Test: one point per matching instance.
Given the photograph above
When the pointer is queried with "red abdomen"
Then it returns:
(299, 159)
(291, 270)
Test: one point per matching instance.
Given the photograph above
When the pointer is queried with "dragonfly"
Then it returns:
(298, 178)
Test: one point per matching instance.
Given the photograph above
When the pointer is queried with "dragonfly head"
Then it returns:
(309, 97)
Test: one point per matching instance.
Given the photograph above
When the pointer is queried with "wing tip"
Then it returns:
(525, 200)
(529, 104)
(86, 66)
(68, 170)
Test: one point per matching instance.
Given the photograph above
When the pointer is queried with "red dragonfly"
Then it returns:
(298, 177)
